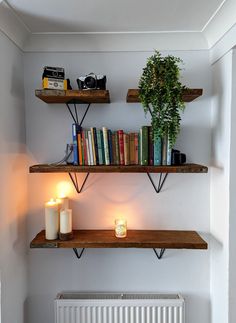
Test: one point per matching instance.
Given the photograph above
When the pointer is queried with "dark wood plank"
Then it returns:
(188, 95)
(186, 168)
(135, 239)
(75, 96)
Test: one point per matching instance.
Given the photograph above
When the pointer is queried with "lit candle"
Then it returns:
(63, 203)
(51, 220)
(120, 228)
(66, 221)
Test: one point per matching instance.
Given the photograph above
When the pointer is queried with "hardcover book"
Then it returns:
(106, 147)
(121, 146)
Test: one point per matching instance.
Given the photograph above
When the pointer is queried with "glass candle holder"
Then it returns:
(120, 228)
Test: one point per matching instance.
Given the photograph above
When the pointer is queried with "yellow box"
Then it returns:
(55, 84)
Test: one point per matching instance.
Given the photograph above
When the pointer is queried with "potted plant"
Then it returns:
(161, 94)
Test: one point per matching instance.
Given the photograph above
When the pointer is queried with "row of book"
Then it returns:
(106, 147)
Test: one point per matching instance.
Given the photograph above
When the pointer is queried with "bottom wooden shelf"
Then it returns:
(135, 239)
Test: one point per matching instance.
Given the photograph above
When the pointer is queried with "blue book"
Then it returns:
(110, 147)
(157, 147)
(75, 130)
(99, 142)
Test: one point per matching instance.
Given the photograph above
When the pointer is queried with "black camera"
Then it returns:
(177, 158)
(92, 82)
(54, 72)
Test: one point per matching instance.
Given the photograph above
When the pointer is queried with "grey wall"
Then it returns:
(183, 204)
(13, 188)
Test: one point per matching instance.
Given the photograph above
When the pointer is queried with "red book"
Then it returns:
(136, 148)
(84, 149)
(121, 146)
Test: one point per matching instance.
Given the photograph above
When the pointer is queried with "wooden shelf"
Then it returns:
(74, 96)
(188, 95)
(135, 239)
(186, 168)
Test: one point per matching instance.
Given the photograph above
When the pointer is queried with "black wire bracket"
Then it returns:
(160, 183)
(75, 182)
(75, 114)
(78, 255)
(159, 255)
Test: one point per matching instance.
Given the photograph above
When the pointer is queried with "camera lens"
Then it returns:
(90, 82)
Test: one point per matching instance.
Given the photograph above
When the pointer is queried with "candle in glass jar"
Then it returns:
(66, 221)
(120, 228)
(51, 220)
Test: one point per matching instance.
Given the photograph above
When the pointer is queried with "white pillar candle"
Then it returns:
(120, 228)
(51, 220)
(66, 221)
(63, 203)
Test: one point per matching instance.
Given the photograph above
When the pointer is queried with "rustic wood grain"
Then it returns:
(74, 96)
(188, 95)
(186, 168)
(135, 239)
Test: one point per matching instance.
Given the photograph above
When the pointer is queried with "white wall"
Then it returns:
(13, 189)
(183, 204)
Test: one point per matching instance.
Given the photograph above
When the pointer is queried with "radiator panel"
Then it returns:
(126, 310)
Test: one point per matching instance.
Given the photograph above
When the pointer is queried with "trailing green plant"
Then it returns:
(161, 94)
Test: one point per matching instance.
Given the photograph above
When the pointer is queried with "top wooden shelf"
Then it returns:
(188, 95)
(186, 168)
(73, 96)
(135, 239)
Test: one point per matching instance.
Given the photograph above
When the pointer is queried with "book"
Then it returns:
(95, 145)
(121, 146)
(126, 149)
(87, 147)
(132, 148)
(136, 147)
(150, 146)
(90, 148)
(157, 147)
(117, 154)
(75, 130)
(85, 155)
(80, 152)
(109, 133)
(164, 150)
(144, 145)
(114, 149)
(106, 147)
(168, 153)
(100, 148)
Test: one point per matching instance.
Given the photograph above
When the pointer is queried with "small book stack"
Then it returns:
(105, 147)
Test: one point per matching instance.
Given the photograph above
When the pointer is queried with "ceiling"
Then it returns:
(77, 16)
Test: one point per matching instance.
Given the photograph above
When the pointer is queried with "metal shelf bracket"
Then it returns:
(78, 255)
(75, 182)
(159, 255)
(75, 114)
(160, 183)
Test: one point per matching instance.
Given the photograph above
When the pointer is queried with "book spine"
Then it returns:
(95, 145)
(103, 150)
(106, 148)
(90, 148)
(150, 147)
(85, 155)
(99, 142)
(126, 149)
(114, 149)
(157, 146)
(80, 152)
(121, 146)
(87, 147)
(110, 146)
(168, 153)
(75, 144)
(132, 148)
(136, 147)
(144, 146)
(164, 150)
(117, 148)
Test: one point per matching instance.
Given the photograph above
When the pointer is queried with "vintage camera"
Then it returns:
(177, 158)
(53, 72)
(92, 82)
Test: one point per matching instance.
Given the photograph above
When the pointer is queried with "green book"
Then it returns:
(144, 145)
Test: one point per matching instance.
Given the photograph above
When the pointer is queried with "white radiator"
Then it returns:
(118, 308)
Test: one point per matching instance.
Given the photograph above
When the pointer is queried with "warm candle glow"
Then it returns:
(63, 189)
(120, 228)
(51, 220)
